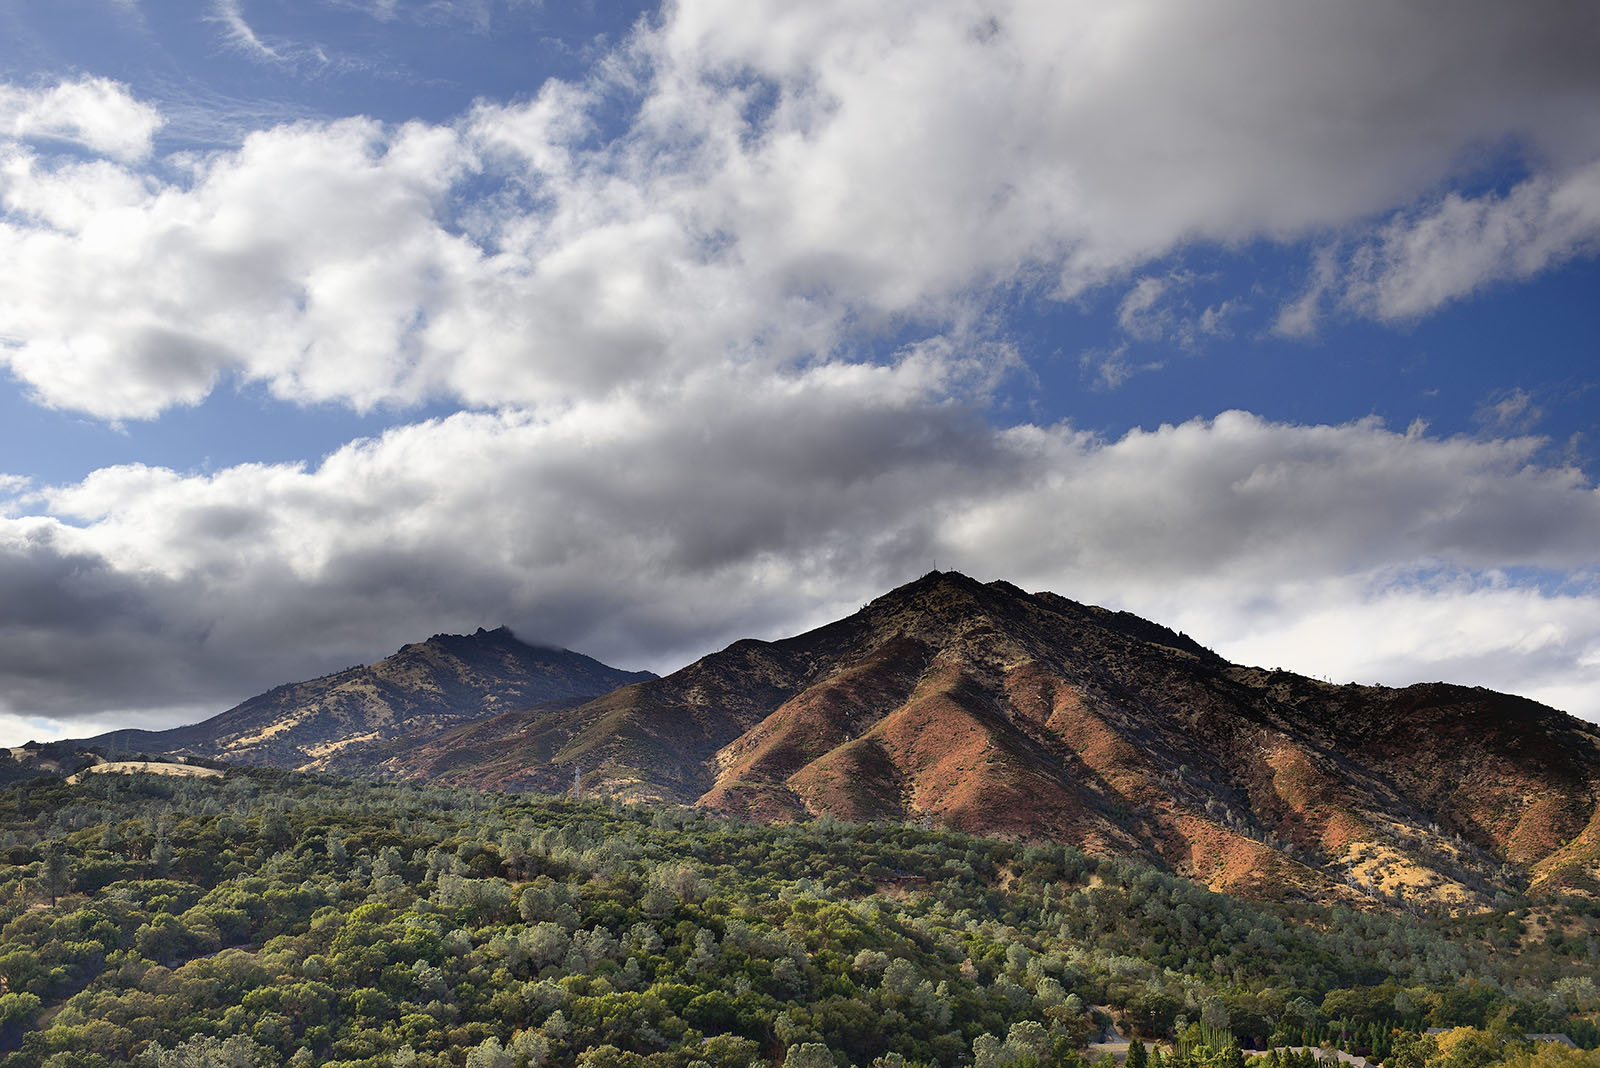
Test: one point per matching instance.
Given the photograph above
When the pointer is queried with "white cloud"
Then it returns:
(240, 34)
(645, 526)
(801, 181)
(1350, 551)
(309, 258)
(1243, 502)
(1421, 261)
(1299, 318)
(1112, 367)
(1137, 312)
(1157, 309)
(97, 113)
(1453, 627)
(479, 14)
(1511, 412)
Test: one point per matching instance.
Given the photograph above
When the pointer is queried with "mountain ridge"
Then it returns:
(985, 708)
(330, 722)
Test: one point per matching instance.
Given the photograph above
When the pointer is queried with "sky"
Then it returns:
(328, 325)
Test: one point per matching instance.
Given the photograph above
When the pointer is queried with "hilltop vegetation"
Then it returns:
(272, 918)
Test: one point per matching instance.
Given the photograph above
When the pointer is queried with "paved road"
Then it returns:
(1115, 1042)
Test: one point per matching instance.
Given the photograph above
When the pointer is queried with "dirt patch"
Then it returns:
(146, 767)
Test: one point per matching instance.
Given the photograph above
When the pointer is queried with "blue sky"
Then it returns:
(333, 324)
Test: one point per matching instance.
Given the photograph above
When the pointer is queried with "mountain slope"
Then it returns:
(984, 708)
(342, 720)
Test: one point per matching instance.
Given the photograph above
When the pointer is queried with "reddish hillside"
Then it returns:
(988, 709)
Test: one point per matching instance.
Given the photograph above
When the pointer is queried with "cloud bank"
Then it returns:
(652, 528)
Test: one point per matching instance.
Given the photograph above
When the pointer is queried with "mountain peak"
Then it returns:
(500, 633)
(423, 689)
(935, 584)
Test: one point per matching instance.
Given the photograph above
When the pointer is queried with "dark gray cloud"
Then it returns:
(656, 526)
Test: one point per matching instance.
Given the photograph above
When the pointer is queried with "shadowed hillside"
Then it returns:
(340, 720)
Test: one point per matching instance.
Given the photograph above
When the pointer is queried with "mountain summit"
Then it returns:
(988, 709)
(424, 688)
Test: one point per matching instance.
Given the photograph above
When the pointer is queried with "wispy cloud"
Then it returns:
(303, 57)
(1109, 368)
(1449, 248)
(1158, 308)
(480, 15)
(1425, 259)
(238, 32)
(1300, 317)
(1509, 412)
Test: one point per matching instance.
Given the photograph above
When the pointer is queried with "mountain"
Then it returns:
(341, 721)
(987, 709)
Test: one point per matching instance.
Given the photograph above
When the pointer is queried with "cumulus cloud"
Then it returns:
(309, 257)
(795, 183)
(1233, 498)
(1350, 551)
(1430, 626)
(96, 113)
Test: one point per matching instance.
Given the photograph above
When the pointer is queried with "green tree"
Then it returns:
(206, 1051)
(809, 1055)
(56, 870)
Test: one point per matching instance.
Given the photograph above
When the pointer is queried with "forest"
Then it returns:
(269, 918)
